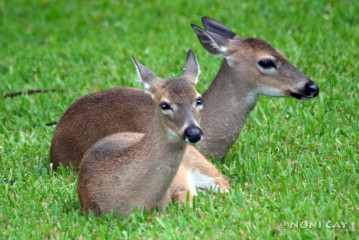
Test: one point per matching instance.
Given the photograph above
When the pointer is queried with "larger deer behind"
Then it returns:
(251, 67)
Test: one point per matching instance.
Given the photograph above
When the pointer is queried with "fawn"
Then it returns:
(128, 170)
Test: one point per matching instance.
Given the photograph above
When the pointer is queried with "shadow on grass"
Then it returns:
(31, 91)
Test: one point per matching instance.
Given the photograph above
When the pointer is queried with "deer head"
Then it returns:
(176, 100)
(267, 70)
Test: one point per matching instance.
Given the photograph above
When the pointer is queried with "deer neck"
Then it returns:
(228, 102)
(161, 145)
(160, 157)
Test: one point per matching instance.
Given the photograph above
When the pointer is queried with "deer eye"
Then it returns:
(199, 101)
(267, 63)
(165, 106)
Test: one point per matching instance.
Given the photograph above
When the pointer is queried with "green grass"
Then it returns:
(294, 161)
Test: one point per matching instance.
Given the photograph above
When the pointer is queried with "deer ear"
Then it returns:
(212, 25)
(149, 79)
(192, 69)
(212, 42)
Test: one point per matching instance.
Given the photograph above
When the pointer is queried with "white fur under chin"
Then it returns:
(273, 92)
(200, 182)
(252, 96)
(172, 136)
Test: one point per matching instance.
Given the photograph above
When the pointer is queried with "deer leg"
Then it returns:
(195, 174)
(203, 174)
(180, 190)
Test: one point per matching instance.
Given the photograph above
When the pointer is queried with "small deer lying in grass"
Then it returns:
(251, 67)
(128, 170)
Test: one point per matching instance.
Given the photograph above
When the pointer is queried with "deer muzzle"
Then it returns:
(310, 90)
(192, 134)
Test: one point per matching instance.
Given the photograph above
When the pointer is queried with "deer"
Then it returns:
(251, 67)
(128, 170)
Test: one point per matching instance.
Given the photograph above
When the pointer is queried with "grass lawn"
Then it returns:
(294, 170)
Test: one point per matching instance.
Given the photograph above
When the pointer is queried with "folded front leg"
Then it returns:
(196, 174)
(180, 189)
(202, 173)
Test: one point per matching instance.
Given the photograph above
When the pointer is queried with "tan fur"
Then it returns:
(133, 170)
(195, 161)
(80, 127)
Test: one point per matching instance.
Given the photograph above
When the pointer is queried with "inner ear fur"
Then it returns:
(214, 26)
(192, 69)
(212, 42)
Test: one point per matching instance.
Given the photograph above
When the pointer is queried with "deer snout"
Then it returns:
(311, 89)
(192, 134)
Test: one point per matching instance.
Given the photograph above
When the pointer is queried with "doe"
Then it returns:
(251, 67)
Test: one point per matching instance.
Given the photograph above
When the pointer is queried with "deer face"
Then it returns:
(180, 106)
(176, 100)
(270, 72)
(265, 68)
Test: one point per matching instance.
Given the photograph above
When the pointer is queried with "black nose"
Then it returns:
(193, 134)
(311, 89)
